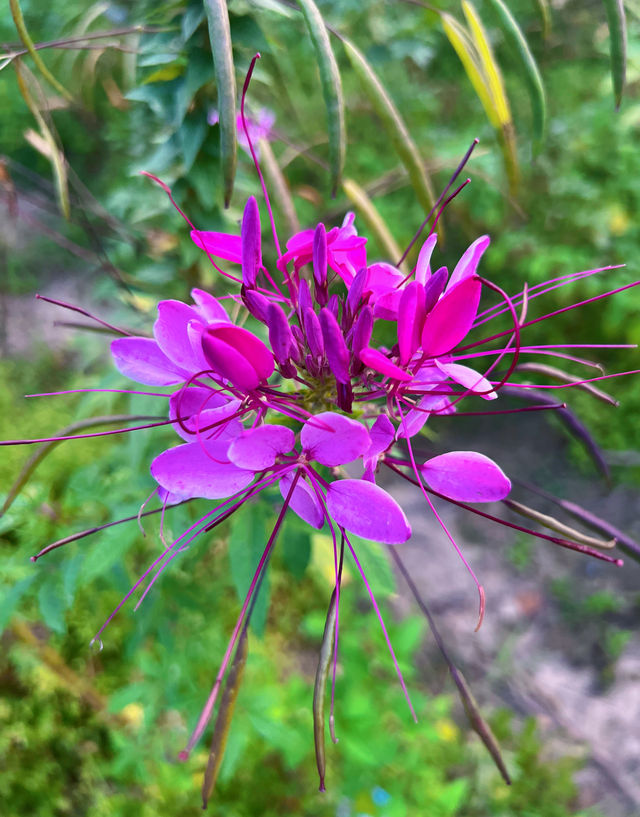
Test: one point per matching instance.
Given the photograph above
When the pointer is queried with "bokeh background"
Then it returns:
(556, 665)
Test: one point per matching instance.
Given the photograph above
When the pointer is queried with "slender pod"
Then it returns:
(618, 45)
(220, 38)
(331, 89)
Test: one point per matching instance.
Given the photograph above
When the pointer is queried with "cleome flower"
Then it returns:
(308, 398)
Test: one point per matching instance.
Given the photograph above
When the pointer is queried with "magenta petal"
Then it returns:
(382, 434)
(304, 501)
(142, 360)
(434, 288)
(222, 245)
(451, 318)
(332, 439)
(468, 378)
(280, 337)
(258, 448)
(423, 270)
(229, 363)
(320, 256)
(209, 307)
(200, 408)
(171, 332)
(375, 360)
(313, 332)
(367, 510)
(250, 241)
(335, 347)
(411, 316)
(386, 306)
(466, 476)
(199, 469)
(362, 330)
(237, 355)
(468, 264)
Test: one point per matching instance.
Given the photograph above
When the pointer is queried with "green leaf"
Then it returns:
(220, 37)
(10, 598)
(247, 541)
(530, 72)
(393, 123)
(52, 606)
(295, 544)
(192, 134)
(331, 89)
(618, 45)
(375, 563)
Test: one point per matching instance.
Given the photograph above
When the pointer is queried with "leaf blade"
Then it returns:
(617, 22)
(220, 39)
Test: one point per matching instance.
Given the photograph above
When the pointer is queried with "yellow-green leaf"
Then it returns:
(514, 36)
(488, 63)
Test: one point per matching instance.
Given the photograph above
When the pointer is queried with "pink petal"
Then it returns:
(466, 476)
(468, 378)
(142, 361)
(375, 360)
(386, 306)
(382, 434)
(468, 264)
(209, 307)
(451, 318)
(258, 448)
(199, 469)
(237, 354)
(304, 501)
(332, 439)
(171, 332)
(411, 317)
(367, 510)
(423, 270)
(203, 408)
(222, 245)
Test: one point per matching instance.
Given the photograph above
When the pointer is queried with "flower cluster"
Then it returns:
(344, 363)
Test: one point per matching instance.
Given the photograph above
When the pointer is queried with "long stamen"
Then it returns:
(448, 186)
(205, 716)
(382, 626)
(84, 312)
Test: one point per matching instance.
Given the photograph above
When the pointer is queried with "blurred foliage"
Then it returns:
(97, 734)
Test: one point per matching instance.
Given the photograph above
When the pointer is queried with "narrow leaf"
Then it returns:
(54, 153)
(488, 63)
(618, 46)
(463, 46)
(18, 19)
(374, 220)
(331, 89)
(496, 89)
(324, 660)
(224, 718)
(220, 37)
(393, 123)
(514, 36)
